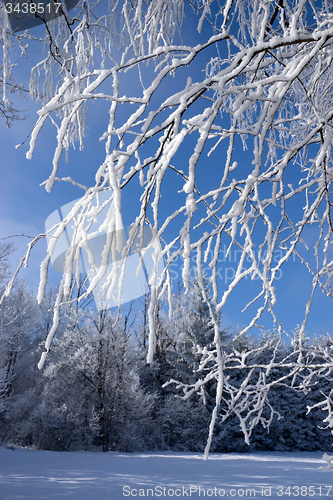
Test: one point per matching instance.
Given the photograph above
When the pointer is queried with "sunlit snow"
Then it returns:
(36, 475)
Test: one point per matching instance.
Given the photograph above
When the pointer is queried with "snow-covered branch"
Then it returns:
(265, 84)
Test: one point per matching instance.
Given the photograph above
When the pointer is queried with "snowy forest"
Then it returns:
(214, 142)
(98, 393)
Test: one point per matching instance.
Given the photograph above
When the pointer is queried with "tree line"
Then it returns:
(97, 392)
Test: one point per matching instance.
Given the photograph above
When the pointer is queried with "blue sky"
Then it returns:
(25, 205)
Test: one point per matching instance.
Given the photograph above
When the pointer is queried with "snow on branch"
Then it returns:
(259, 78)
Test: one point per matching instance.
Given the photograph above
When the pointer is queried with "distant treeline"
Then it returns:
(97, 392)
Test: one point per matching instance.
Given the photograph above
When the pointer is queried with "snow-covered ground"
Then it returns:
(36, 475)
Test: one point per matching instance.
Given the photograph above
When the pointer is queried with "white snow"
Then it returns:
(36, 475)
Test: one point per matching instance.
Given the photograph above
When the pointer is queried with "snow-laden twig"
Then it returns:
(265, 85)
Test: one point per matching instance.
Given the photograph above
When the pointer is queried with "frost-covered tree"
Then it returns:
(92, 394)
(257, 75)
(5, 251)
(17, 315)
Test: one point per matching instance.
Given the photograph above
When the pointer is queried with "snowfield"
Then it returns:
(36, 475)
